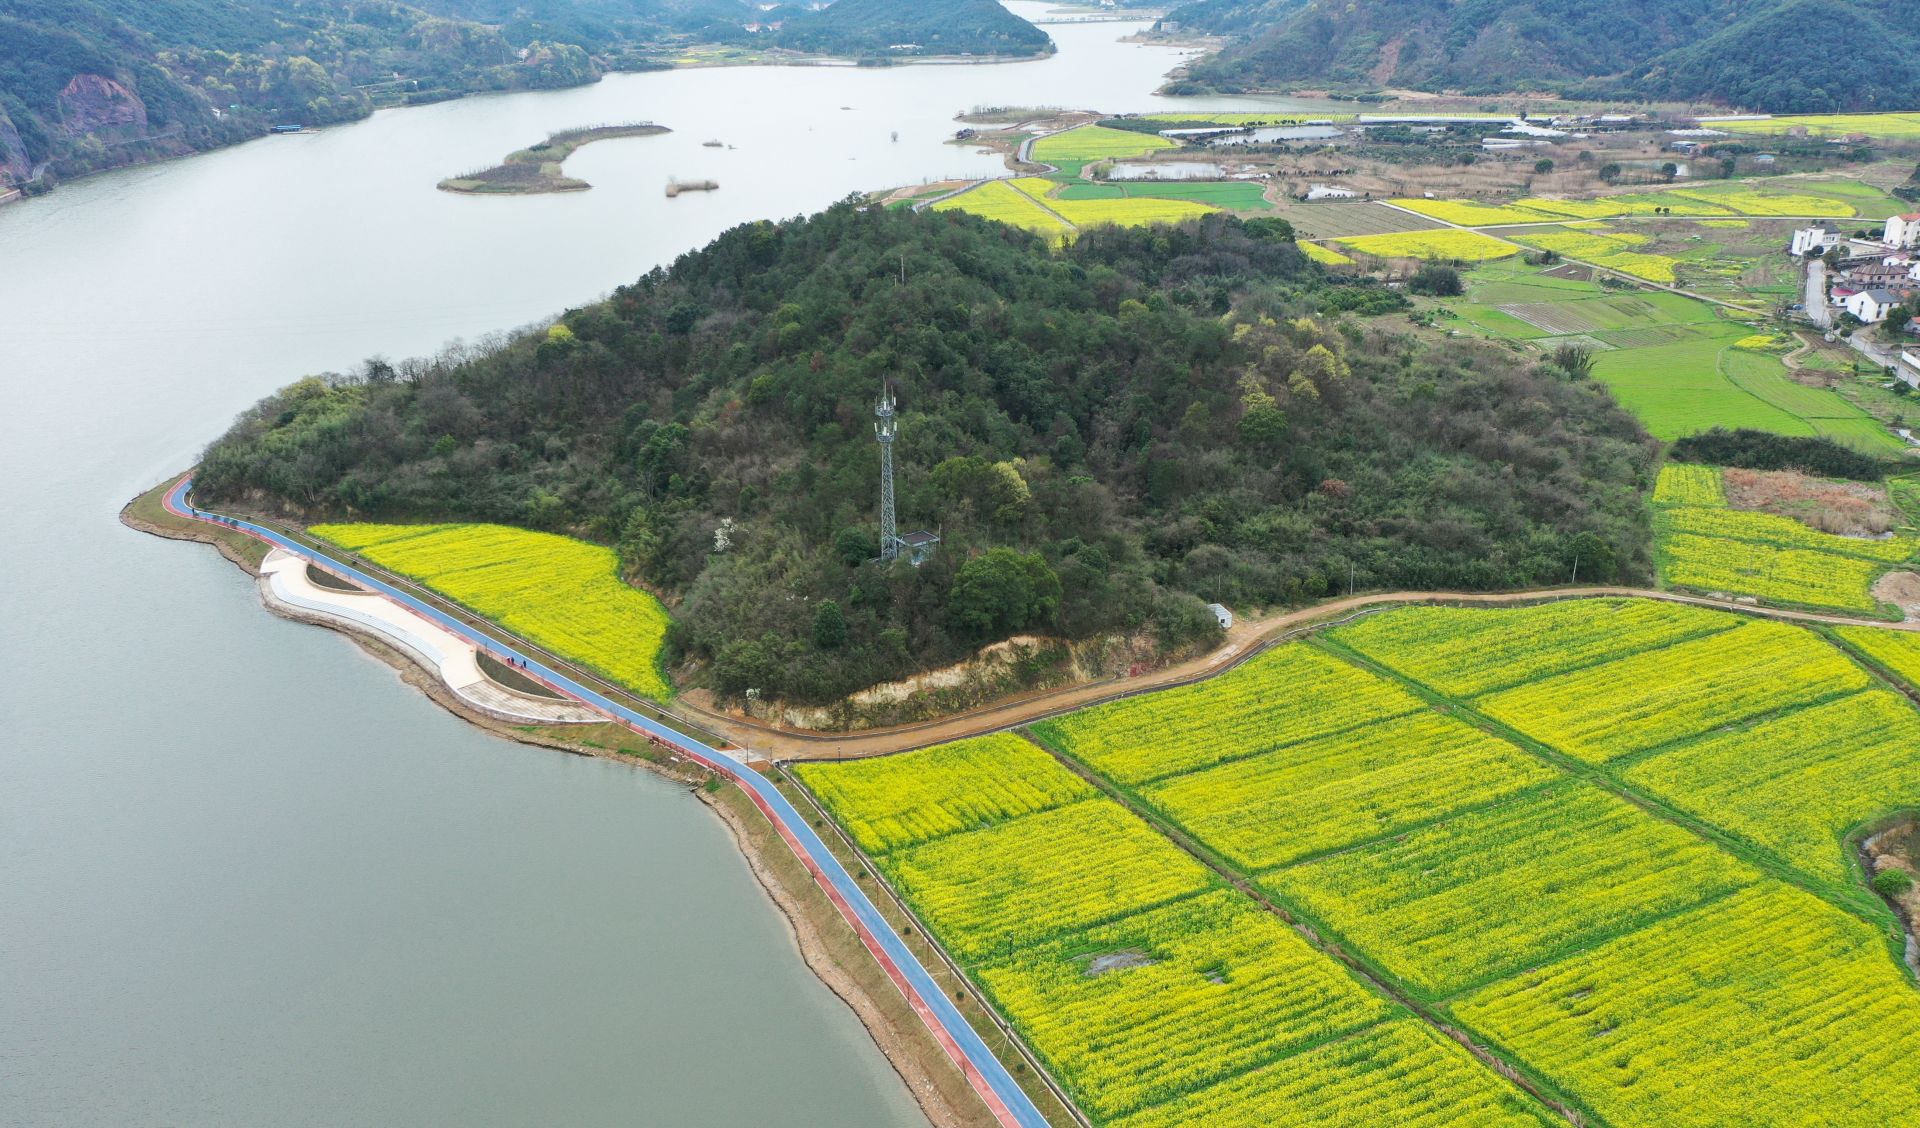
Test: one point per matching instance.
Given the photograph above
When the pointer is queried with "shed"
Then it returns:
(1221, 615)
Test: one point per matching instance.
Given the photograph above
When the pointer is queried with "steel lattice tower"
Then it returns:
(883, 431)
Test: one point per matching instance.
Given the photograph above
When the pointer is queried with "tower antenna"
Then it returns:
(883, 431)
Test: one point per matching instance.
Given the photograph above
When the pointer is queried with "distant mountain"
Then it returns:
(1781, 55)
(892, 28)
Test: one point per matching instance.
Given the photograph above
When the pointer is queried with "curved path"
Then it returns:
(1245, 640)
(1009, 1104)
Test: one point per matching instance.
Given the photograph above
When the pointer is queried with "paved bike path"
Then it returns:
(1009, 1104)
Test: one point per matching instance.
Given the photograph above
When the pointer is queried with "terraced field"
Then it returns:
(562, 593)
(1606, 839)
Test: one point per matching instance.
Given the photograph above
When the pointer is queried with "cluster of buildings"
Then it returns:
(1872, 277)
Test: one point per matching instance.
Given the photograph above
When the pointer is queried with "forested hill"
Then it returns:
(1106, 436)
(1802, 56)
(895, 28)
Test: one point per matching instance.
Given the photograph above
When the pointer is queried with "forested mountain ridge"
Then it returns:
(1735, 52)
(1106, 436)
(92, 84)
(896, 28)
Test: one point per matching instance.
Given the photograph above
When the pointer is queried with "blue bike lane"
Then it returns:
(985, 1072)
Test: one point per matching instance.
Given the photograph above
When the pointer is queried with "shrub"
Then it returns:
(1892, 882)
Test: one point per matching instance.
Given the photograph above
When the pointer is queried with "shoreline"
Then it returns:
(827, 944)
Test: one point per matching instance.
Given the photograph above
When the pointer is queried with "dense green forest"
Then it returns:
(1804, 56)
(92, 84)
(1106, 436)
(875, 28)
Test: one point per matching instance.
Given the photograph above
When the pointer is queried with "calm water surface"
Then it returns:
(246, 876)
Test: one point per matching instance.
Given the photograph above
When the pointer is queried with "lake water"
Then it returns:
(248, 877)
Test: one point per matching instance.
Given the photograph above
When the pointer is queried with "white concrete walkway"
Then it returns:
(284, 582)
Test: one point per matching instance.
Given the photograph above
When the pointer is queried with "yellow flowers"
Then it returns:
(1445, 243)
(1282, 697)
(1707, 546)
(1216, 985)
(559, 592)
(1096, 142)
(895, 801)
(1325, 256)
(1687, 689)
(1769, 1007)
(1682, 484)
(1400, 1073)
(1467, 213)
(1463, 652)
(1613, 250)
(999, 200)
(1796, 784)
(1498, 890)
(1356, 785)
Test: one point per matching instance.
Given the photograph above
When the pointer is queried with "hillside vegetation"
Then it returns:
(894, 28)
(1106, 436)
(1727, 51)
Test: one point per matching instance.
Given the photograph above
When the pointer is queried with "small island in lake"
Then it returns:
(537, 167)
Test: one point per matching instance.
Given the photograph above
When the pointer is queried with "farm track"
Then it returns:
(1243, 642)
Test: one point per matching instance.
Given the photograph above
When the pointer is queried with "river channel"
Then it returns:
(246, 875)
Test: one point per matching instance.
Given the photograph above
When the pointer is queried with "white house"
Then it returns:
(1221, 615)
(1872, 305)
(1903, 230)
(1818, 238)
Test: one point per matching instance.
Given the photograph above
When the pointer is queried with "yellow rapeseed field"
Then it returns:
(1445, 243)
(1682, 484)
(895, 801)
(1096, 142)
(1657, 697)
(998, 200)
(1326, 256)
(1768, 1007)
(562, 593)
(1498, 890)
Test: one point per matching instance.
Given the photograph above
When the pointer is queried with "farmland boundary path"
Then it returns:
(988, 1076)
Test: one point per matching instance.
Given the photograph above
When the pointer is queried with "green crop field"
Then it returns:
(562, 593)
(1604, 839)
(1667, 357)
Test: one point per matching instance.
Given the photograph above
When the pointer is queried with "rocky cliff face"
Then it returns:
(15, 165)
(93, 102)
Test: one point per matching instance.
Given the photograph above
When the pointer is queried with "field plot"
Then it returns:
(1465, 652)
(1331, 220)
(1400, 1073)
(1892, 126)
(1769, 1007)
(1658, 697)
(1096, 142)
(1898, 652)
(1142, 982)
(999, 200)
(1445, 243)
(1352, 787)
(1488, 893)
(1709, 547)
(1795, 785)
(897, 801)
(1286, 696)
(1681, 484)
(1203, 990)
(562, 593)
(1229, 195)
(1325, 256)
(1034, 878)
(1835, 197)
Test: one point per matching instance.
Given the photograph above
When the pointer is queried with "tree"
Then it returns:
(829, 626)
(854, 545)
(1437, 281)
(1002, 591)
(1610, 172)
(1543, 166)
(1669, 170)
(1262, 424)
(1590, 558)
(1573, 360)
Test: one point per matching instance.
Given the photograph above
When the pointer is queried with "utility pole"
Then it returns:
(883, 432)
